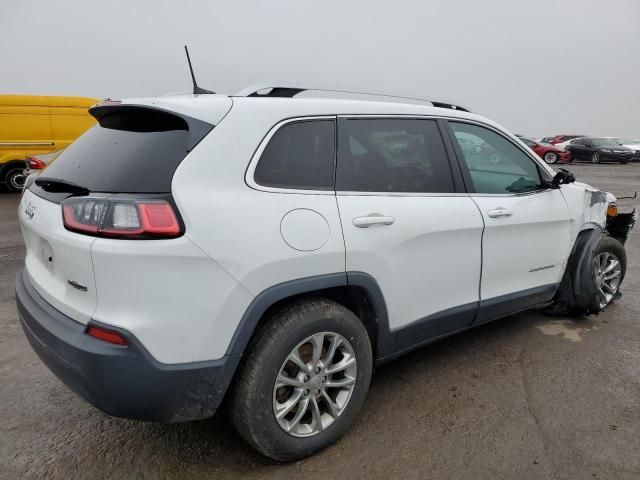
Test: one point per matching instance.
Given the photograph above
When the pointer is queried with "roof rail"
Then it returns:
(290, 91)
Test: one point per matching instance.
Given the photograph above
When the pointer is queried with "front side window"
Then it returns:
(393, 155)
(495, 164)
(300, 155)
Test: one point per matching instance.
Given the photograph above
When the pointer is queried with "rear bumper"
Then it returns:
(123, 381)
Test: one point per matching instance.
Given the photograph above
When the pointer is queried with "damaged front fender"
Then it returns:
(578, 291)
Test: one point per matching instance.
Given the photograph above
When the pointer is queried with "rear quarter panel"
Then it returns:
(240, 227)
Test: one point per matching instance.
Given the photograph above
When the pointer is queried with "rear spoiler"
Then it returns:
(145, 116)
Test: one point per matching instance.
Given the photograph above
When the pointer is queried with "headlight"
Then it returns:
(612, 210)
(606, 150)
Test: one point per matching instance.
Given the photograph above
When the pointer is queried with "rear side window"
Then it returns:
(300, 155)
(130, 150)
(393, 155)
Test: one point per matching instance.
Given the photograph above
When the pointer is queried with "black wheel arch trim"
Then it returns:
(264, 300)
(578, 292)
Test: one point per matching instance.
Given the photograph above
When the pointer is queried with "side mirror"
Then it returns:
(563, 177)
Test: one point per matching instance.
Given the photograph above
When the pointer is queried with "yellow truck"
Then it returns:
(37, 124)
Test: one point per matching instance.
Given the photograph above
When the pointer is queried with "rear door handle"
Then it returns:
(372, 219)
(499, 212)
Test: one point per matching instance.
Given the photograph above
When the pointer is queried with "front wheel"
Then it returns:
(550, 158)
(609, 268)
(595, 157)
(304, 381)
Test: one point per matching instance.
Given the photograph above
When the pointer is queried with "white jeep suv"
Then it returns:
(271, 250)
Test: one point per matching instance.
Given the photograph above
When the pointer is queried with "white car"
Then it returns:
(274, 250)
(563, 145)
(632, 144)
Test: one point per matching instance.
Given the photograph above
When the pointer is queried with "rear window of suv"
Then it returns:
(130, 150)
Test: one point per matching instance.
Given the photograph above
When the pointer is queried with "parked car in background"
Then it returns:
(632, 144)
(599, 149)
(549, 153)
(562, 139)
(36, 163)
(318, 269)
(32, 124)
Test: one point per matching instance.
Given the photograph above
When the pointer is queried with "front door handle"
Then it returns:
(499, 212)
(372, 219)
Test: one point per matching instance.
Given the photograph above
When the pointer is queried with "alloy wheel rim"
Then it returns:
(550, 157)
(608, 272)
(16, 180)
(314, 384)
(595, 158)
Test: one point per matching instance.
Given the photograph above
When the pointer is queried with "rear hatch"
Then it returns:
(121, 167)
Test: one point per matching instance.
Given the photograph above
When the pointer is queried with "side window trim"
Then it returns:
(460, 182)
(456, 173)
(253, 163)
(544, 174)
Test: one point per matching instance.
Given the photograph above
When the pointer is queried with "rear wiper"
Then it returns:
(55, 185)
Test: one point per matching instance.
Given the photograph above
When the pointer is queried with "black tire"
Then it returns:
(624, 162)
(550, 158)
(251, 406)
(14, 178)
(595, 157)
(608, 244)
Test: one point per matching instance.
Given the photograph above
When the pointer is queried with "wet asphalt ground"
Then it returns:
(525, 397)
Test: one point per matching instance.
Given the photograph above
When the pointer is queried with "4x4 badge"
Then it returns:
(30, 210)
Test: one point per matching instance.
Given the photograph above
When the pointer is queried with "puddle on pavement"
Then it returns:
(568, 329)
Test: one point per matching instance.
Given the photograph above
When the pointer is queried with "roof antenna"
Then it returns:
(196, 89)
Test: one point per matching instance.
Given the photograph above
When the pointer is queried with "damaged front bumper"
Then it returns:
(578, 291)
(620, 225)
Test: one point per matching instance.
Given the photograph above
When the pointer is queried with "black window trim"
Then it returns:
(458, 181)
(251, 167)
(544, 173)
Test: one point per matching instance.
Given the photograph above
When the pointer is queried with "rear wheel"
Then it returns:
(595, 157)
(14, 178)
(609, 268)
(550, 157)
(304, 381)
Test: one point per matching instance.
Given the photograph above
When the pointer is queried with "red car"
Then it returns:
(549, 153)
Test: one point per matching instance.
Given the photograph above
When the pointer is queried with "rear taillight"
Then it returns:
(117, 217)
(35, 163)
(109, 336)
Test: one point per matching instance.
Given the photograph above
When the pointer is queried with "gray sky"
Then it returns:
(538, 67)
